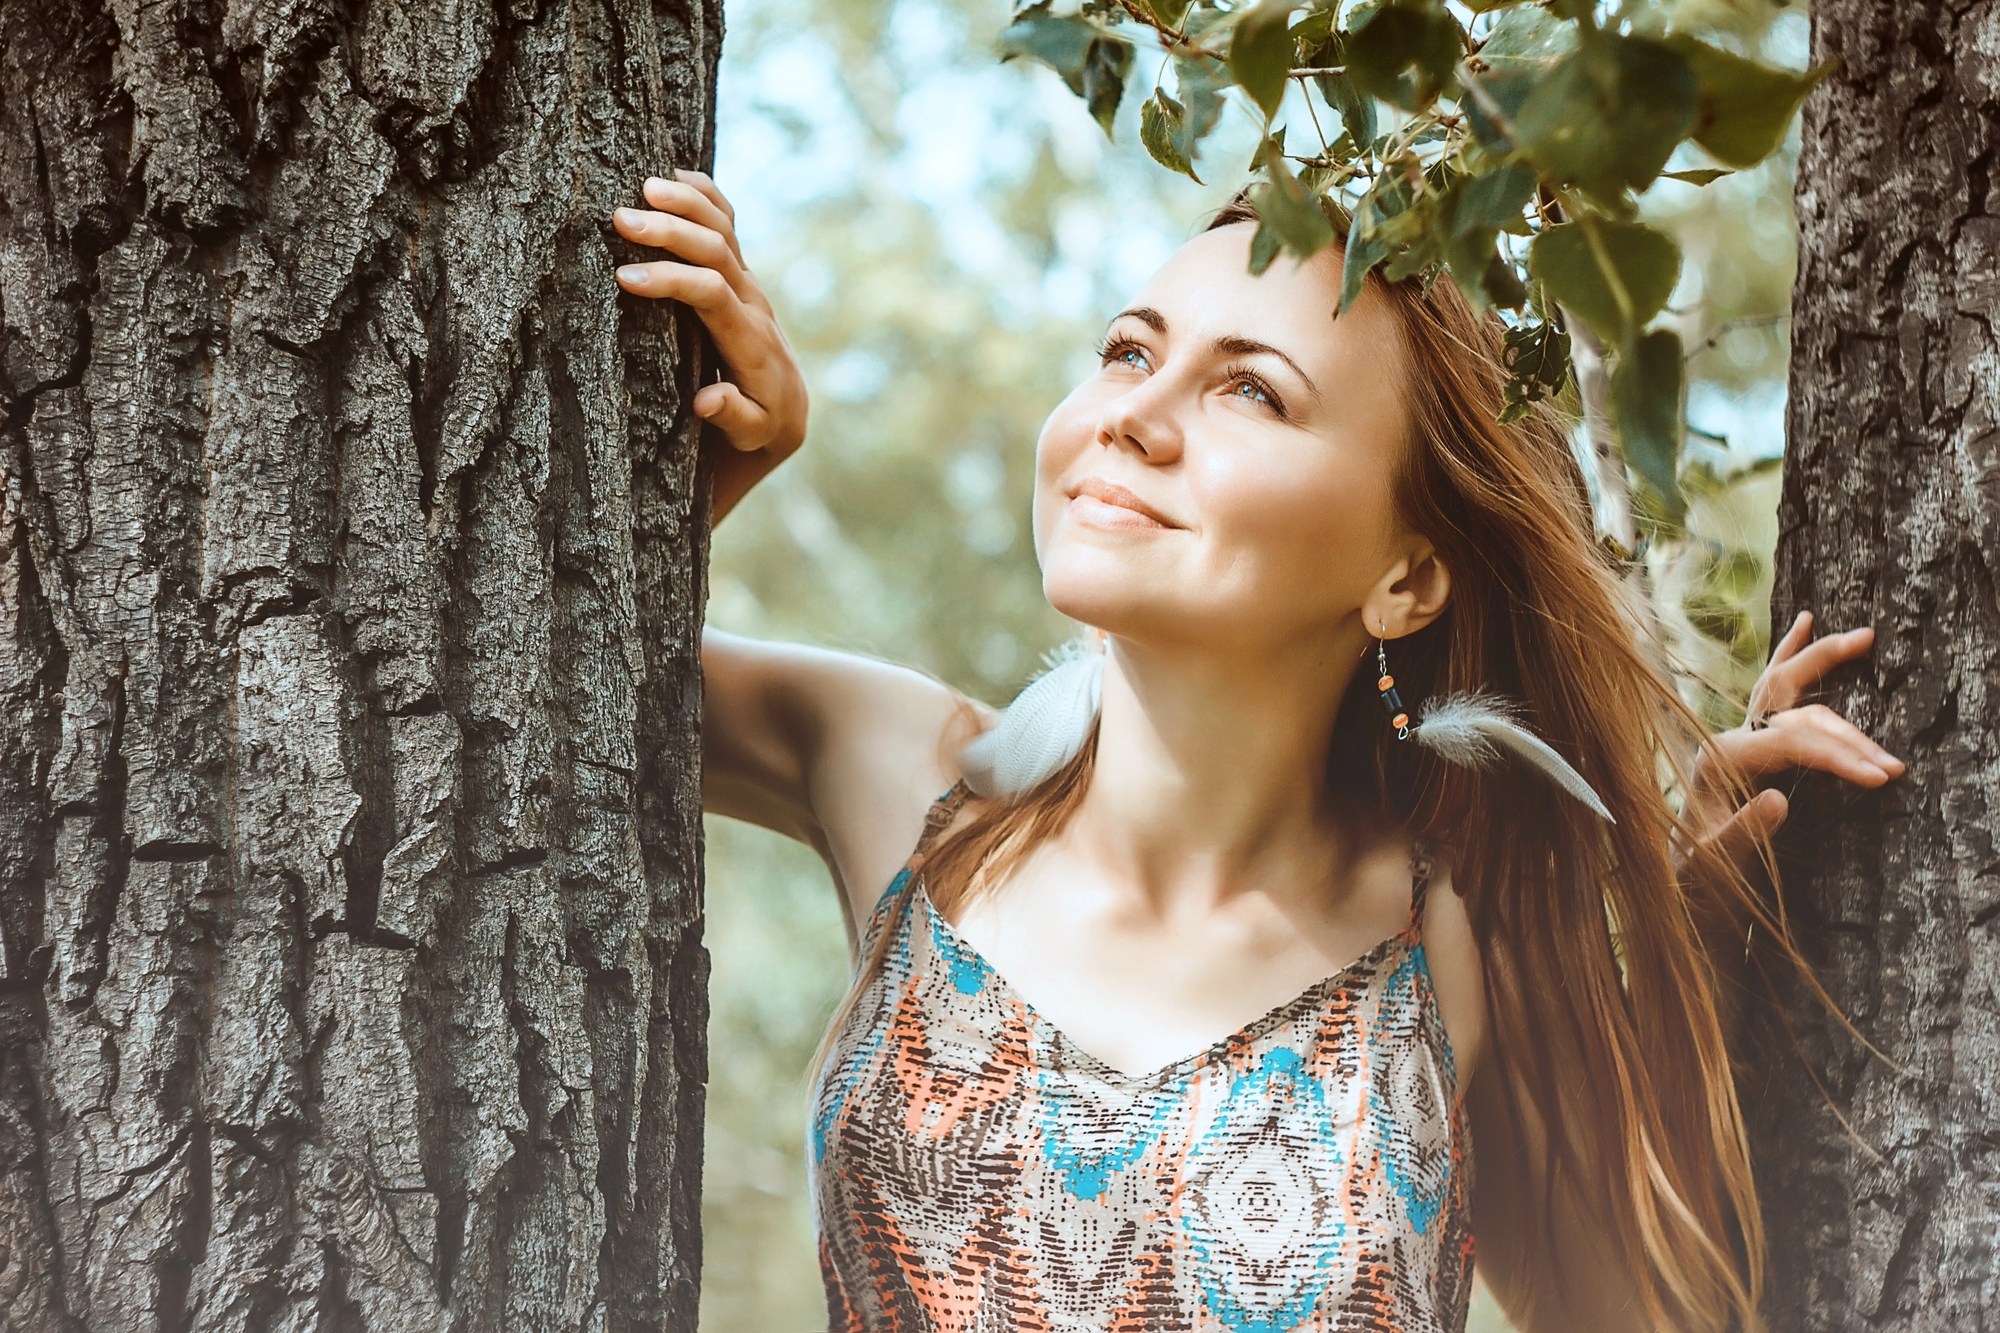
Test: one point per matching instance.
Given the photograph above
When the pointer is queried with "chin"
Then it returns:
(1108, 594)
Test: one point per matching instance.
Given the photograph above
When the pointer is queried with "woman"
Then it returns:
(1193, 1019)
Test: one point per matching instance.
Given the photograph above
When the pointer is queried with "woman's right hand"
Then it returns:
(760, 403)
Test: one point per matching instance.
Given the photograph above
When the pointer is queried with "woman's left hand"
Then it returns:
(759, 405)
(1781, 735)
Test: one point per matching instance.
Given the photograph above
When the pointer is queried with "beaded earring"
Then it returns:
(1392, 703)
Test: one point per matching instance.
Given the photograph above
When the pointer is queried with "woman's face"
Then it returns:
(1226, 478)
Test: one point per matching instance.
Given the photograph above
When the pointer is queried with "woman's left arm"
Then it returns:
(1780, 734)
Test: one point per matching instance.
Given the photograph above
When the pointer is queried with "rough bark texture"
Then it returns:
(351, 557)
(1891, 517)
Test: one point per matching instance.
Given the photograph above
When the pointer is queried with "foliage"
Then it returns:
(1512, 156)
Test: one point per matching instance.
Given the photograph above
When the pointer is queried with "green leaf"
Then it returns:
(1162, 125)
(1063, 44)
(1517, 54)
(1745, 106)
(1644, 263)
(1493, 102)
(1502, 284)
(1530, 39)
(1698, 176)
(1412, 240)
(1104, 65)
(1264, 246)
(1536, 355)
(1260, 54)
(1169, 12)
(1498, 198)
(1405, 55)
(1311, 35)
(1292, 214)
(1385, 201)
(1647, 388)
(1199, 83)
(1608, 117)
(1274, 143)
(1470, 215)
(1355, 108)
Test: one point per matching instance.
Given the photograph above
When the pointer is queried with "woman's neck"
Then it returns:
(1210, 775)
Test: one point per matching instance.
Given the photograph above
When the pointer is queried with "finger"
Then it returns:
(1743, 837)
(690, 240)
(1823, 719)
(1776, 749)
(704, 290)
(743, 423)
(690, 203)
(1797, 637)
(1773, 689)
(1810, 665)
(702, 182)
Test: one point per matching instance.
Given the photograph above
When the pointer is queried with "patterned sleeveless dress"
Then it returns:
(975, 1172)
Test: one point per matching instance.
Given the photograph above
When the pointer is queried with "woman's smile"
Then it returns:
(1097, 503)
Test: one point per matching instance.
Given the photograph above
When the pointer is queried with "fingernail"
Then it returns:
(657, 180)
(632, 273)
(625, 214)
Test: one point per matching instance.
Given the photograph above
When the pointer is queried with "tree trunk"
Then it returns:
(351, 578)
(1881, 1176)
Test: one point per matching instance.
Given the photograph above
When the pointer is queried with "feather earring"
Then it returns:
(1472, 729)
(1043, 729)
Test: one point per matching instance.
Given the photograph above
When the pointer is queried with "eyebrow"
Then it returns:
(1234, 345)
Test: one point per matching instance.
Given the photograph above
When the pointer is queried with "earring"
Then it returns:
(1392, 703)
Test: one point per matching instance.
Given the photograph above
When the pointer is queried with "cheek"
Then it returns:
(1318, 528)
(1065, 435)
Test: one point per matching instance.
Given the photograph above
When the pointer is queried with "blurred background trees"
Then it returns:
(944, 236)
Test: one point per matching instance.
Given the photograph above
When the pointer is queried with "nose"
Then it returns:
(1142, 421)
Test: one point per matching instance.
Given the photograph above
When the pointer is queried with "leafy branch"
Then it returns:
(1509, 155)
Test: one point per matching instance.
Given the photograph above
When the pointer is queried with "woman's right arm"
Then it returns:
(842, 752)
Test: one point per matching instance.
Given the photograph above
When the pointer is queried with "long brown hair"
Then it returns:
(1604, 1009)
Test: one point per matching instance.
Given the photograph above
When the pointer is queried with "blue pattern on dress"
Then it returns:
(897, 963)
(1085, 1174)
(968, 970)
(1256, 1098)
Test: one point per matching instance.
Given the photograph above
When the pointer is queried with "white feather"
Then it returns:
(1471, 730)
(1039, 732)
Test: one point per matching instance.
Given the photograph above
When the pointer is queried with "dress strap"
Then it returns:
(943, 810)
(1422, 866)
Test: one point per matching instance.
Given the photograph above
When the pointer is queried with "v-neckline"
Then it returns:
(1260, 1026)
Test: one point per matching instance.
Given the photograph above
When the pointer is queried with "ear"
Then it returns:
(1412, 593)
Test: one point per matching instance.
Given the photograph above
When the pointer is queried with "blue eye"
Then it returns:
(1249, 385)
(1123, 353)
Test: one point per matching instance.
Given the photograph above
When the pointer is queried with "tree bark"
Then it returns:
(351, 581)
(1881, 1176)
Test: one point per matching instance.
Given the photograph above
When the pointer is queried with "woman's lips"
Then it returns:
(1103, 504)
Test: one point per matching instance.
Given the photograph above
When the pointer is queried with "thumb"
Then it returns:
(742, 422)
(731, 411)
(1741, 840)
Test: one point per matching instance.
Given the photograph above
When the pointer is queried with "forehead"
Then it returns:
(1206, 291)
